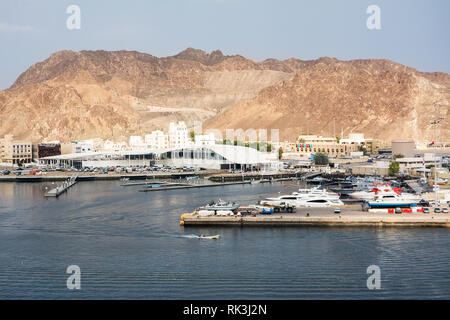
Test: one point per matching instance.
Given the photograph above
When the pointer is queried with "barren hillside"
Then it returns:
(77, 95)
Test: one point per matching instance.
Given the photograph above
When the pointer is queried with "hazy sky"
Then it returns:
(413, 32)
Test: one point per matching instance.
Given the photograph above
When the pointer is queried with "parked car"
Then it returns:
(426, 210)
(445, 210)
(424, 203)
(337, 210)
(398, 210)
(437, 210)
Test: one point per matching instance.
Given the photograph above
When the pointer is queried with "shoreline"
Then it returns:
(99, 177)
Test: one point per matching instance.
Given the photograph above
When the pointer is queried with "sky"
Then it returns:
(413, 32)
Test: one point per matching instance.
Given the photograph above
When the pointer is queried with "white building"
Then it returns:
(114, 146)
(157, 140)
(82, 146)
(178, 135)
(136, 143)
(204, 140)
(211, 157)
(354, 138)
(91, 145)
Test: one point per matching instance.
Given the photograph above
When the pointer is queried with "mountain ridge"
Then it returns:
(114, 94)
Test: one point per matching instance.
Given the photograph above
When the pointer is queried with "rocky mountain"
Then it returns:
(380, 98)
(86, 94)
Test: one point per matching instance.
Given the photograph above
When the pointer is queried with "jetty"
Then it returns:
(350, 216)
(56, 192)
(175, 185)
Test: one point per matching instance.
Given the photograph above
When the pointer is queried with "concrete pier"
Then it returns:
(188, 186)
(307, 217)
(56, 192)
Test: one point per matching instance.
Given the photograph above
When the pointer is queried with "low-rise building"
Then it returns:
(204, 139)
(157, 140)
(136, 143)
(15, 152)
(48, 149)
(407, 148)
(109, 146)
(310, 144)
(211, 157)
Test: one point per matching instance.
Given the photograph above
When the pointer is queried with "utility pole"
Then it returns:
(434, 123)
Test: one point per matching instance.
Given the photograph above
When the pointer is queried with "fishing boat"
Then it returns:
(222, 205)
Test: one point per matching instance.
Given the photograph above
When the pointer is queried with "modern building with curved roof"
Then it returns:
(216, 156)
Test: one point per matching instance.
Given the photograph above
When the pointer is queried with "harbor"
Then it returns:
(369, 202)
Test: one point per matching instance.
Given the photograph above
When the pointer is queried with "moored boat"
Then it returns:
(222, 205)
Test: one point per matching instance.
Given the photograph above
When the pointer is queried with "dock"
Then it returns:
(173, 186)
(321, 217)
(56, 192)
(249, 176)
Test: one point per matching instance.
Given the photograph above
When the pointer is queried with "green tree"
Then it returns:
(192, 134)
(280, 153)
(394, 168)
(320, 159)
(363, 149)
(397, 156)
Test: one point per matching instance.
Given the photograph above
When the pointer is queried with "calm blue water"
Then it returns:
(129, 244)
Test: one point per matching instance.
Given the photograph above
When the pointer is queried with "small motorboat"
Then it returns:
(222, 205)
(216, 237)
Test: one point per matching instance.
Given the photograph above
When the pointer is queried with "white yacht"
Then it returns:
(313, 192)
(314, 197)
(319, 202)
(392, 201)
(384, 190)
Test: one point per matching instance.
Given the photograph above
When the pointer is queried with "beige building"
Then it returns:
(307, 144)
(15, 152)
(373, 145)
(407, 148)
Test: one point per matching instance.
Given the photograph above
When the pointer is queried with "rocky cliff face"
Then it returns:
(379, 98)
(77, 95)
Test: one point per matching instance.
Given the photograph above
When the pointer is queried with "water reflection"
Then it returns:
(129, 245)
